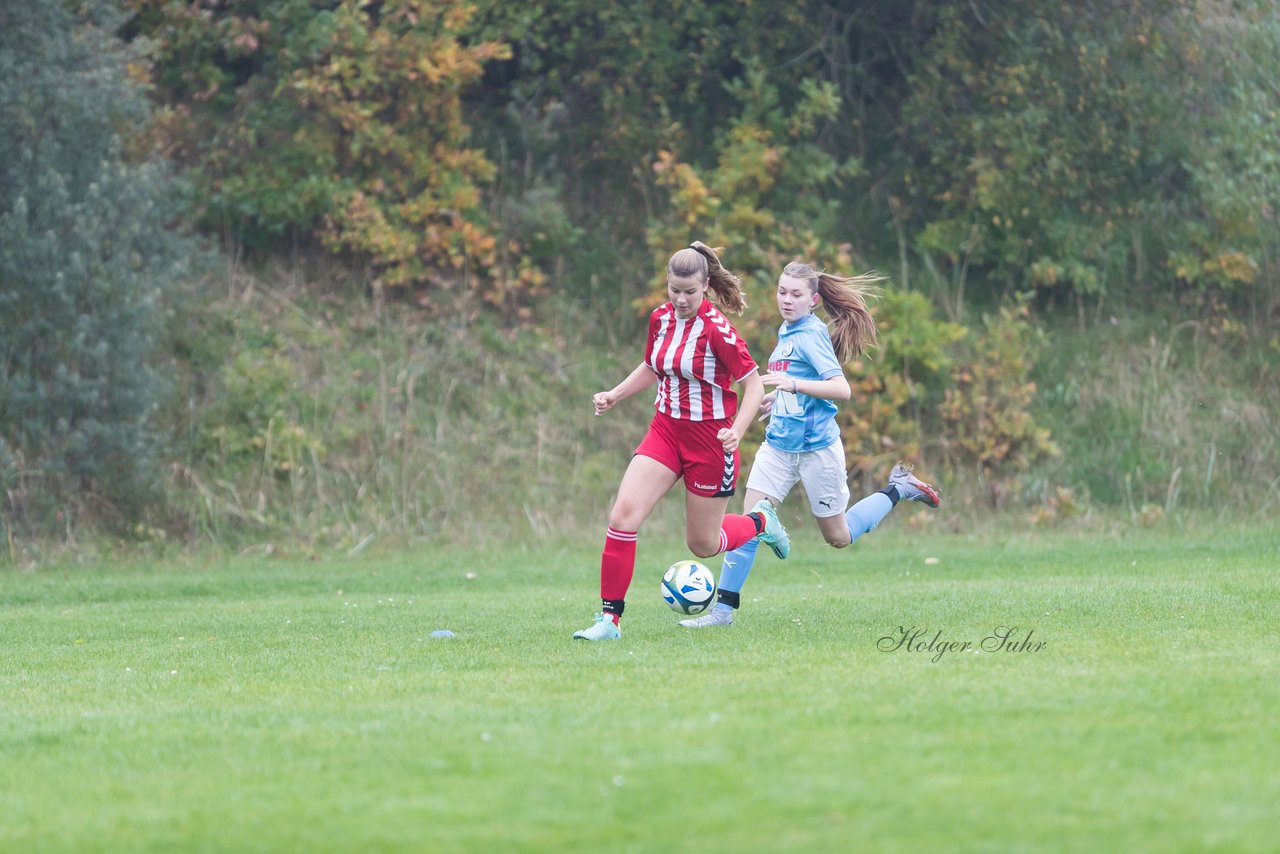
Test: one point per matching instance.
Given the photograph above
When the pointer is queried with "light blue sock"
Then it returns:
(867, 513)
(737, 566)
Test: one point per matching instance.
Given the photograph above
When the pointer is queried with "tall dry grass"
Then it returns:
(367, 423)
(1157, 416)
(335, 424)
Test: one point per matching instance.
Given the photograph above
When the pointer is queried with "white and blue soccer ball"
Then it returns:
(688, 587)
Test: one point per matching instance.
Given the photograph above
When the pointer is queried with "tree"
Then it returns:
(1081, 148)
(86, 253)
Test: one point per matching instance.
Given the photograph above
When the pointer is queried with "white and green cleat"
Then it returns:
(604, 629)
(774, 535)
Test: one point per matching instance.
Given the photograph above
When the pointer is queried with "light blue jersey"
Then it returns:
(799, 422)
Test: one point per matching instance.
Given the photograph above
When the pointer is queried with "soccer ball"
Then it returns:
(688, 587)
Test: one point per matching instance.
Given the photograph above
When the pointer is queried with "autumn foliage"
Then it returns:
(339, 121)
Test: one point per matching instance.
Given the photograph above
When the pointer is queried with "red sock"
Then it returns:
(617, 564)
(736, 530)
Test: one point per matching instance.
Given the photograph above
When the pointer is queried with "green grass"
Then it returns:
(255, 704)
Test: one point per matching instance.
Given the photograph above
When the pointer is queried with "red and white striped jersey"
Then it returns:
(697, 362)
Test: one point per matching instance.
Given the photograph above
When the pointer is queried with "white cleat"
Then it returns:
(714, 617)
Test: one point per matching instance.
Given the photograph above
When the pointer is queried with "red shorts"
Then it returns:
(691, 450)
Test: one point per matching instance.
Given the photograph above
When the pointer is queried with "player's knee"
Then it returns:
(838, 542)
(704, 549)
(625, 517)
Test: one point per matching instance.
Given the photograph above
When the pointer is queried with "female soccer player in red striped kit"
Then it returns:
(695, 356)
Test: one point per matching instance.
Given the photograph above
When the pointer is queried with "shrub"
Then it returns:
(933, 388)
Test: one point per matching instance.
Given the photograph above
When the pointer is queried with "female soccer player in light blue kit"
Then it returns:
(802, 443)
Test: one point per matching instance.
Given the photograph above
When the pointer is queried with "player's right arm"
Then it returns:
(637, 381)
(832, 388)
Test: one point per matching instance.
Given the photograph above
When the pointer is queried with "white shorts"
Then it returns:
(822, 472)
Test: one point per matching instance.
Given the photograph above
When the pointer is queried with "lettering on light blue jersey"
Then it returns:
(801, 423)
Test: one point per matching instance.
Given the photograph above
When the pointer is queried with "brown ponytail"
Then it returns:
(853, 329)
(702, 261)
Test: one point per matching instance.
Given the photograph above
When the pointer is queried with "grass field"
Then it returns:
(259, 704)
